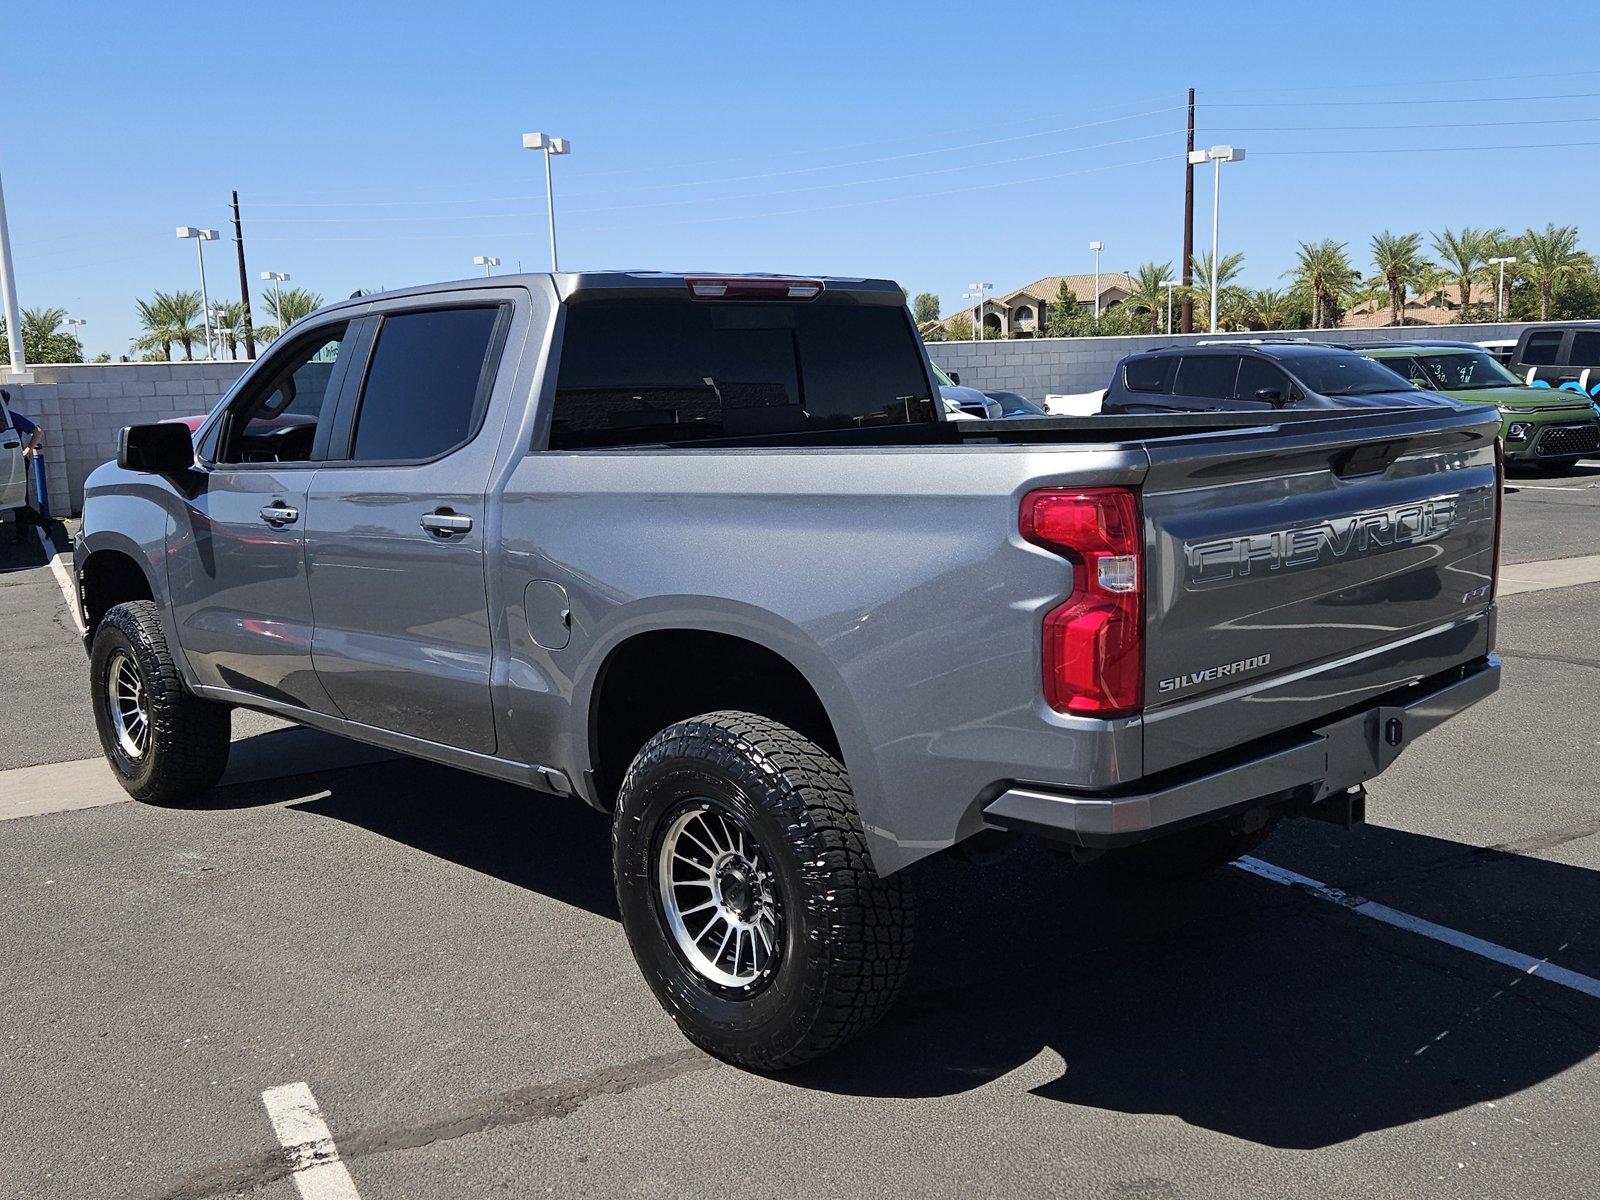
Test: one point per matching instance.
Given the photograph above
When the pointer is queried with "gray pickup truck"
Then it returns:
(704, 552)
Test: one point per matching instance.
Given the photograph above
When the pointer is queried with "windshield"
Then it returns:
(1465, 370)
(1342, 374)
(668, 370)
(944, 380)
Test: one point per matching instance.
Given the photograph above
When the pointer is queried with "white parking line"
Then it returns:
(319, 1173)
(1538, 967)
(63, 579)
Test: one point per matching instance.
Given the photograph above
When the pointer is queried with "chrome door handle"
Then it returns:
(444, 524)
(278, 515)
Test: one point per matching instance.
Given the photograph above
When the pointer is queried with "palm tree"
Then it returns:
(1550, 256)
(1148, 295)
(1266, 309)
(1464, 255)
(1400, 266)
(1324, 275)
(169, 317)
(1227, 271)
(297, 303)
(227, 323)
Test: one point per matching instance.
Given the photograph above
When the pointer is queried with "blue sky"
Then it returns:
(934, 144)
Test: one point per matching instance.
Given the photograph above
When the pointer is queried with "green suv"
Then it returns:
(1548, 427)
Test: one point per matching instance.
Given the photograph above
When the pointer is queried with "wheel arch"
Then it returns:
(107, 575)
(664, 664)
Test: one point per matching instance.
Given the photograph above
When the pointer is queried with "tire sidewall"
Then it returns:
(764, 1021)
(135, 774)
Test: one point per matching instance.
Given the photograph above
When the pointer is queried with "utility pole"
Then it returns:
(1187, 318)
(244, 281)
(8, 293)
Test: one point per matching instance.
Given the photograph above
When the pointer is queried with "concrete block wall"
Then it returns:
(81, 407)
(1037, 367)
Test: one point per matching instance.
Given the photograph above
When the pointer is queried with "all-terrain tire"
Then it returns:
(186, 742)
(1189, 853)
(843, 933)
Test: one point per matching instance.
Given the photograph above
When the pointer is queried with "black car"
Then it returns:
(1559, 356)
(1235, 376)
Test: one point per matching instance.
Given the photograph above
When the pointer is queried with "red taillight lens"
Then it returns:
(752, 287)
(1094, 642)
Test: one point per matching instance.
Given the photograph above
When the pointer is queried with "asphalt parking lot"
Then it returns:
(437, 958)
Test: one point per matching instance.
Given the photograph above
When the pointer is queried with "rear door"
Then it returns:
(13, 473)
(395, 540)
(1299, 572)
(1205, 382)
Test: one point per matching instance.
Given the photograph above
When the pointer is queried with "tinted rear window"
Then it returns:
(426, 387)
(1207, 376)
(1148, 374)
(1585, 349)
(637, 371)
(1542, 347)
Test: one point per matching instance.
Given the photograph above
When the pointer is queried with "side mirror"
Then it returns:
(955, 376)
(162, 449)
(1272, 396)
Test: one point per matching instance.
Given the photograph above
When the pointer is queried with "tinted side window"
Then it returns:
(276, 419)
(1585, 349)
(1207, 376)
(1149, 374)
(1541, 348)
(635, 371)
(1257, 373)
(427, 385)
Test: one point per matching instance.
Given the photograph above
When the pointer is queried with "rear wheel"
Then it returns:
(748, 895)
(164, 744)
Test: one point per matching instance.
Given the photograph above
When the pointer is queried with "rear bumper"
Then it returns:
(1317, 763)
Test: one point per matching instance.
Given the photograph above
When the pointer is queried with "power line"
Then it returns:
(767, 155)
(1391, 102)
(1436, 149)
(1432, 83)
(736, 196)
(1369, 127)
(688, 183)
(901, 199)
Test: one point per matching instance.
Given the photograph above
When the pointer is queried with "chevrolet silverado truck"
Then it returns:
(705, 553)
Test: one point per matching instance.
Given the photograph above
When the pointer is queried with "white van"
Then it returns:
(13, 468)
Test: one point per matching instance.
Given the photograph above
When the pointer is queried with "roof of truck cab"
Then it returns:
(639, 282)
(1285, 349)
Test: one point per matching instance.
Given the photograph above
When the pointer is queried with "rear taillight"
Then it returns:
(1499, 507)
(1094, 642)
(752, 287)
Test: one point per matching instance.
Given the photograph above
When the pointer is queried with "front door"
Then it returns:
(395, 545)
(236, 557)
(13, 470)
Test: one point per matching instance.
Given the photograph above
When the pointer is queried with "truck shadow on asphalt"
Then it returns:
(1232, 1003)
(1238, 1005)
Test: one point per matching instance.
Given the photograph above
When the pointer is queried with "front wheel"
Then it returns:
(747, 893)
(165, 745)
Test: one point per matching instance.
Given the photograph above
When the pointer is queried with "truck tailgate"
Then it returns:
(1285, 584)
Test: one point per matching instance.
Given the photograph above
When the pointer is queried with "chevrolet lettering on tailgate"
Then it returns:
(1352, 536)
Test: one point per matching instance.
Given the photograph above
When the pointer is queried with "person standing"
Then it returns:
(38, 507)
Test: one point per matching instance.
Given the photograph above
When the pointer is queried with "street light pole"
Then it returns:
(550, 146)
(1500, 290)
(1217, 155)
(77, 324)
(977, 293)
(277, 279)
(201, 237)
(8, 293)
(487, 262)
(1097, 247)
(1169, 284)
